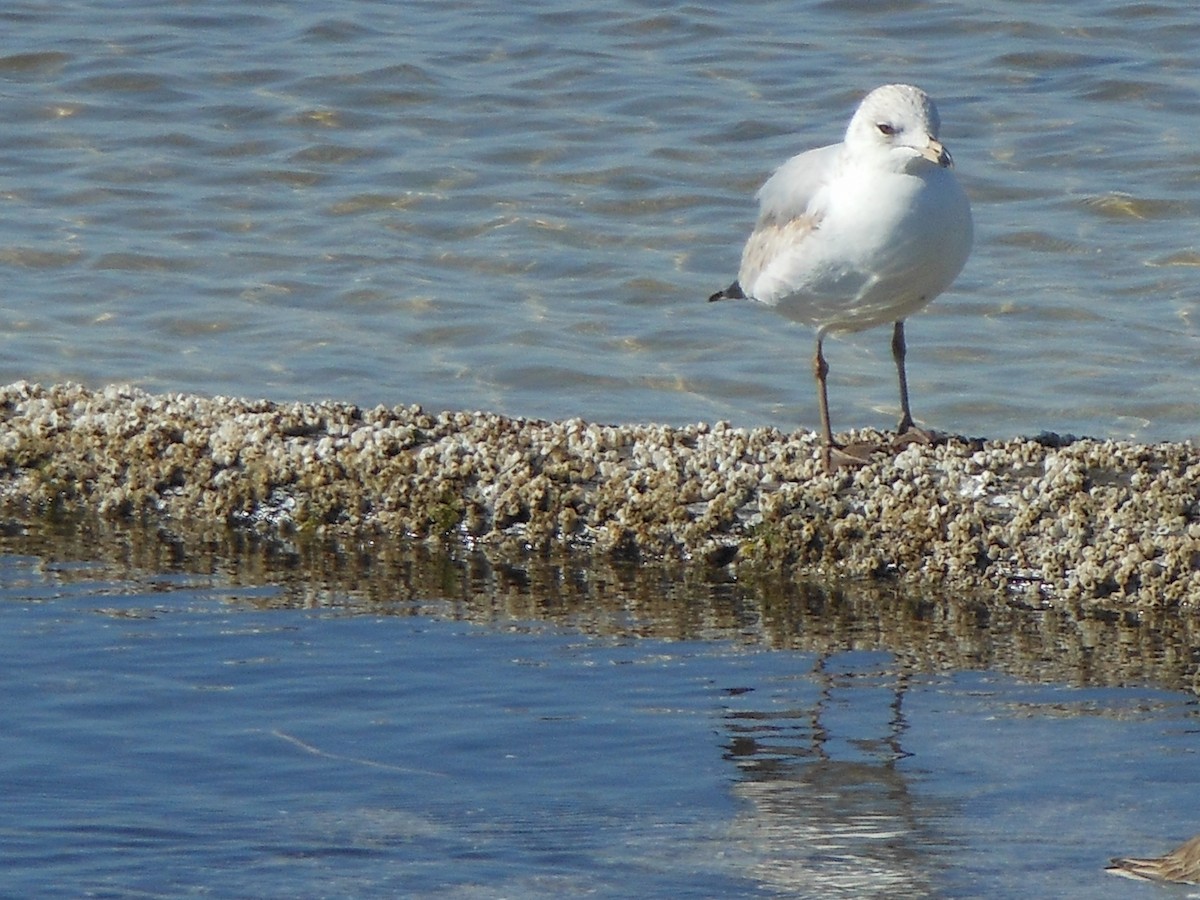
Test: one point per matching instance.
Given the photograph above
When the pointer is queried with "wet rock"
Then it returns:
(1054, 519)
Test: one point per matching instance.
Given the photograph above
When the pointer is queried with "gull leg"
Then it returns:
(906, 431)
(833, 454)
(899, 350)
(820, 370)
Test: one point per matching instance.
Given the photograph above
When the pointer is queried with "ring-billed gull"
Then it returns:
(1180, 866)
(860, 233)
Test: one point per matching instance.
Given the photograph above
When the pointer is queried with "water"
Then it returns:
(173, 733)
(523, 208)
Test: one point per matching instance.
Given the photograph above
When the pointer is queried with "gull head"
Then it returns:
(900, 123)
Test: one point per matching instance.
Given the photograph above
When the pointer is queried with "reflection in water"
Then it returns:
(1084, 646)
(816, 742)
(828, 810)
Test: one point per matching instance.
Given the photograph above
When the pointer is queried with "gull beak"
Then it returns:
(938, 154)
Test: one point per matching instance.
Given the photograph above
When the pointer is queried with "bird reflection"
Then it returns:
(828, 811)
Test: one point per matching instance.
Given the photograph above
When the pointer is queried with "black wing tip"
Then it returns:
(733, 292)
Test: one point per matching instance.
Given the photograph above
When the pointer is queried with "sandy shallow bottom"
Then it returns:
(1051, 520)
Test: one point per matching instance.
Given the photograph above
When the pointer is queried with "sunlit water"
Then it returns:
(523, 208)
(168, 736)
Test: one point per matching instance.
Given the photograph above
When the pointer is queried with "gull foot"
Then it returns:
(913, 435)
(848, 456)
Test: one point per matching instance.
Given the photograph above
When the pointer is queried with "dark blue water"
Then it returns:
(173, 743)
(169, 736)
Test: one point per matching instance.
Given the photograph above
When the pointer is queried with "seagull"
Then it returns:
(1180, 866)
(859, 234)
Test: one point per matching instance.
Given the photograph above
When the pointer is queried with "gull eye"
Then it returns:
(886, 129)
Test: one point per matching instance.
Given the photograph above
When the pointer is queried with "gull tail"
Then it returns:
(733, 292)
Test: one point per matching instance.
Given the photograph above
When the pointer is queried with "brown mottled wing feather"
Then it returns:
(771, 244)
(1180, 866)
(786, 215)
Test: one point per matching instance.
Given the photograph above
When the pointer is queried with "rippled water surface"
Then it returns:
(171, 735)
(523, 208)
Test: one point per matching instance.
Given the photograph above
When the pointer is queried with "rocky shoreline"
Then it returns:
(1047, 520)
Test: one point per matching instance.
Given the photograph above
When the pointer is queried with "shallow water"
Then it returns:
(523, 209)
(172, 733)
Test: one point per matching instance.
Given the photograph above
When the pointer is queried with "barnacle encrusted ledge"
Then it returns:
(1052, 519)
